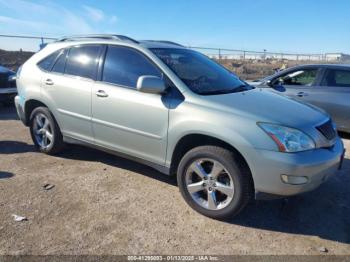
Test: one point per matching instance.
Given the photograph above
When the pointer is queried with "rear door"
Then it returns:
(68, 88)
(333, 95)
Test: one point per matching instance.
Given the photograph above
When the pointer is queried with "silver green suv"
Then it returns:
(176, 110)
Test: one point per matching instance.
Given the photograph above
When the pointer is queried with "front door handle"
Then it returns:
(301, 94)
(101, 93)
(49, 82)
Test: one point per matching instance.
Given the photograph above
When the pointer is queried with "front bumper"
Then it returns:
(316, 165)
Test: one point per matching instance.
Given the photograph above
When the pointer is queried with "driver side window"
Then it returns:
(123, 66)
(303, 77)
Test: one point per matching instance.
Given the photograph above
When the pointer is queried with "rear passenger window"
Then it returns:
(60, 62)
(47, 62)
(338, 78)
(82, 61)
(123, 66)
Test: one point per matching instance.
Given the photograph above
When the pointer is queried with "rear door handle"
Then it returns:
(101, 93)
(49, 82)
(301, 94)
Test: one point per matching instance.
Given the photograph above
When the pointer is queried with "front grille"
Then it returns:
(12, 84)
(327, 130)
(4, 80)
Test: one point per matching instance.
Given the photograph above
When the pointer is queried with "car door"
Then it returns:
(333, 95)
(298, 83)
(68, 88)
(123, 118)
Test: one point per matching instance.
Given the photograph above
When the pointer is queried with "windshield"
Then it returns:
(201, 74)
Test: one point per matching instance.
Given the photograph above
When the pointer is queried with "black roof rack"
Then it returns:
(165, 42)
(98, 36)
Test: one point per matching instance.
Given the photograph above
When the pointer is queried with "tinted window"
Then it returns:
(304, 77)
(60, 62)
(339, 78)
(201, 74)
(47, 62)
(82, 61)
(123, 66)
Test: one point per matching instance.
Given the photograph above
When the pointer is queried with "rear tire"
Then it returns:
(214, 193)
(45, 131)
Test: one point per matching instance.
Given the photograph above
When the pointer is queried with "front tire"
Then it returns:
(214, 182)
(45, 131)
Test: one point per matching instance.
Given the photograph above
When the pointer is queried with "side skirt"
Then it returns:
(163, 169)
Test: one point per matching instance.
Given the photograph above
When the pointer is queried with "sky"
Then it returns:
(296, 26)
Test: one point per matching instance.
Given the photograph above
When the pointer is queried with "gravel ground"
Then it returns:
(102, 204)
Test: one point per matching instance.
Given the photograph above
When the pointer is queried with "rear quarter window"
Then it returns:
(46, 63)
(60, 62)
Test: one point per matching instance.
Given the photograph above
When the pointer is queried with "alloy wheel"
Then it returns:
(209, 184)
(42, 130)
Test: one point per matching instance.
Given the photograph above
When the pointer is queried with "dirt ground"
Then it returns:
(102, 204)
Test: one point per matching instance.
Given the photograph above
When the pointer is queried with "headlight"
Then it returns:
(288, 139)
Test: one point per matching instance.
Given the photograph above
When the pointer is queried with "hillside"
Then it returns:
(13, 59)
(257, 69)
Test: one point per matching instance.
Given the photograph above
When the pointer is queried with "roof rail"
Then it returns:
(165, 42)
(98, 36)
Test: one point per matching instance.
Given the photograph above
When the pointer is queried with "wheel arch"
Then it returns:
(30, 105)
(190, 141)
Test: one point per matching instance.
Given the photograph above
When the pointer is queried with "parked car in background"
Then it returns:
(178, 111)
(326, 86)
(8, 88)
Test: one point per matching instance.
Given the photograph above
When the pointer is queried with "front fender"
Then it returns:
(188, 124)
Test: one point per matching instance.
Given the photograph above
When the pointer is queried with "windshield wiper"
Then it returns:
(239, 88)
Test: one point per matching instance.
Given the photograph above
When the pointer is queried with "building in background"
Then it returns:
(334, 57)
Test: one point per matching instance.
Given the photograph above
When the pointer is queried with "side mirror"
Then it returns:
(277, 85)
(269, 83)
(150, 84)
(274, 82)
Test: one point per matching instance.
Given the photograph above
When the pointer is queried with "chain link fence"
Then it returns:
(247, 64)
(234, 54)
(32, 43)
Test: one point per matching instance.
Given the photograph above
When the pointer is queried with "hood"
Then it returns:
(262, 105)
(4, 70)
